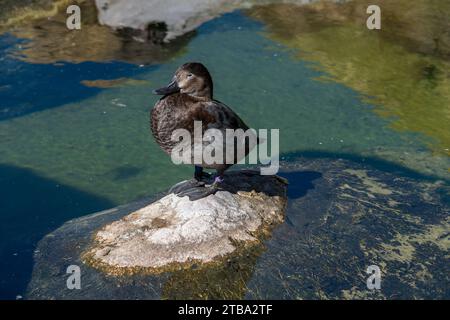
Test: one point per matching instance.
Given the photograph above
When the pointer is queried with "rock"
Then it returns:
(341, 217)
(34, 22)
(168, 18)
(175, 231)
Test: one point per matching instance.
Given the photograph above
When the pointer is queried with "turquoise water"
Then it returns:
(68, 149)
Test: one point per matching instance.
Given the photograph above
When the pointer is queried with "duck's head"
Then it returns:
(191, 78)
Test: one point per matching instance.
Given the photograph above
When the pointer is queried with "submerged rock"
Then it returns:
(342, 216)
(175, 230)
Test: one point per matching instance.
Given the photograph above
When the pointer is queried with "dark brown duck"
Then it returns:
(186, 99)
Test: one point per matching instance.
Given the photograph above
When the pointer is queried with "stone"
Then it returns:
(176, 232)
(342, 216)
(176, 17)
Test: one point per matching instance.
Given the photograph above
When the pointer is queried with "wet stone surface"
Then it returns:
(341, 217)
(175, 232)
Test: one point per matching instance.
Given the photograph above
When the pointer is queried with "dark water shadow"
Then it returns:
(42, 66)
(30, 207)
(374, 162)
(27, 87)
(300, 182)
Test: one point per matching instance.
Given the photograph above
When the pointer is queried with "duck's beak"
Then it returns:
(169, 89)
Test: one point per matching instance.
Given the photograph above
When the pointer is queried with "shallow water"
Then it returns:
(342, 216)
(74, 111)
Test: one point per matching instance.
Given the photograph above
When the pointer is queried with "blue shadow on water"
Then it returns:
(30, 207)
(374, 162)
(28, 87)
(300, 182)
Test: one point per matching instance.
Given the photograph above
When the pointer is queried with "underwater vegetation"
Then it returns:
(74, 137)
(342, 216)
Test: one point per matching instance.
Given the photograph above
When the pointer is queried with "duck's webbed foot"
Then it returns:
(186, 185)
(199, 181)
(197, 193)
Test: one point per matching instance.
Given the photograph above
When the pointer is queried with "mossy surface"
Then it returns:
(331, 234)
(68, 117)
(401, 226)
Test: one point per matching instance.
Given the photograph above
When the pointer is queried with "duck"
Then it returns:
(186, 99)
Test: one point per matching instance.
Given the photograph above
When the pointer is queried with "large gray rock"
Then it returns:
(177, 231)
(342, 216)
(179, 17)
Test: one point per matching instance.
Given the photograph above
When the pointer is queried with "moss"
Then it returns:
(114, 83)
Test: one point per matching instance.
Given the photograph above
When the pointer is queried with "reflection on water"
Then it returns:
(28, 87)
(20, 11)
(75, 105)
(402, 69)
(224, 281)
(49, 40)
(84, 142)
(100, 83)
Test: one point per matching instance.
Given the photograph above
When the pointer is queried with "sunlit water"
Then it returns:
(71, 145)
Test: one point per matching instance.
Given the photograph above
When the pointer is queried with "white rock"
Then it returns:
(175, 230)
(180, 17)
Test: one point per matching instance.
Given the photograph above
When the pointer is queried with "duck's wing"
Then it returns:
(215, 114)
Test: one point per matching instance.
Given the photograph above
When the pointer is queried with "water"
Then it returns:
(71, 145)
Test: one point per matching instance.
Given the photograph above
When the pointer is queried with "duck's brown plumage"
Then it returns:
(192, 103)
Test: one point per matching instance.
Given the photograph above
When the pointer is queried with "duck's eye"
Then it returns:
(189, 75)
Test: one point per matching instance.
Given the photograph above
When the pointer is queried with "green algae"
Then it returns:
(104, 84)
(93, 143)
(330, 237)
(102, 144)
(353, 229)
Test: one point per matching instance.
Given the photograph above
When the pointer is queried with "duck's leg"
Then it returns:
(199, 193)
(196, 182)
(199, 174)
